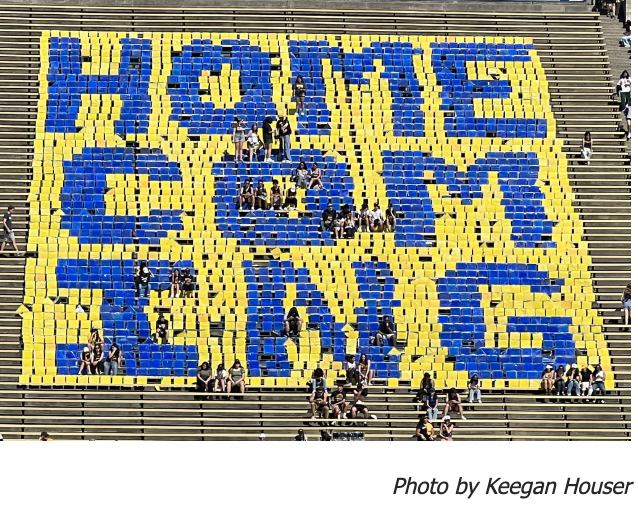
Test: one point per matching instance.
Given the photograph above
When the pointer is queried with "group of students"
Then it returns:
(345, 223)
(575, 381)
(336, 405)
(182, 281)
(257, 198)
(282, 130)
(425, 430)
(220, 380)
(93, 358)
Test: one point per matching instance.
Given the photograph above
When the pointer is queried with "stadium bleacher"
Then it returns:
(468, 124)
(481, 275)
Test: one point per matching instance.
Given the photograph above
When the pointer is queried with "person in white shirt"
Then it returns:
(352, 374)
(624, 89)
(220, 378)
(254, 143)
(375, 219)
(598, 382)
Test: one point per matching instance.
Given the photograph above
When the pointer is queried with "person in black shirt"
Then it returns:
(585, 381)
(390, 219)
(247, 195)
(573, 380)
(275, 195)
(328, 218)
(446, 429)
(283, 132)
(291, 198)
(261, 196)
(85, 360)
(94, 337)
(359, 405)
(188, 282)
(293, 323)
(385, 332)
(112, 361)
(424, 430)
(453, 403)
(319, 404)
(301, 436)
(267, 131)
(161, 330)
(349, 226)
(161, 322)
(9, 235)
(176, 279)
(162, 335)
(299, 89)
(145, 279)
(338, 403)
(97, 361)
(424, 387)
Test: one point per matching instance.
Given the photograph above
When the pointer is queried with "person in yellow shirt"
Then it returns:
(424, 429)
(44, 436)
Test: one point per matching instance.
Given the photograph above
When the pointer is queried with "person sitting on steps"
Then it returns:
(319, 404)
(293, 323)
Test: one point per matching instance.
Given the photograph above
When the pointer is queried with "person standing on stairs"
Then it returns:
(145, 279)
(239, 137)
(628, 118)
(267, 133)
(624, 89)
(587, 147)
(9, 235)
(299, 90)
(626, 304)
(284, 130)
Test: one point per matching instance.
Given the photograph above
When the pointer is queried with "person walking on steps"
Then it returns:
(9, 235)
(587, 147)
(624, 89)
(626, 305)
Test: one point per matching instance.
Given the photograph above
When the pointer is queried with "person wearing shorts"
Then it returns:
(267, 131)
(358, 406)
(239, 137)
(385, 333)
(254, 143)
(299, 89)
(626, 304)
(9, 235)
(375, 219)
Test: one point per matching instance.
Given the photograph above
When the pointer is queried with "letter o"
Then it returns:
(586, 485)
(427, 487)
(444, 484)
